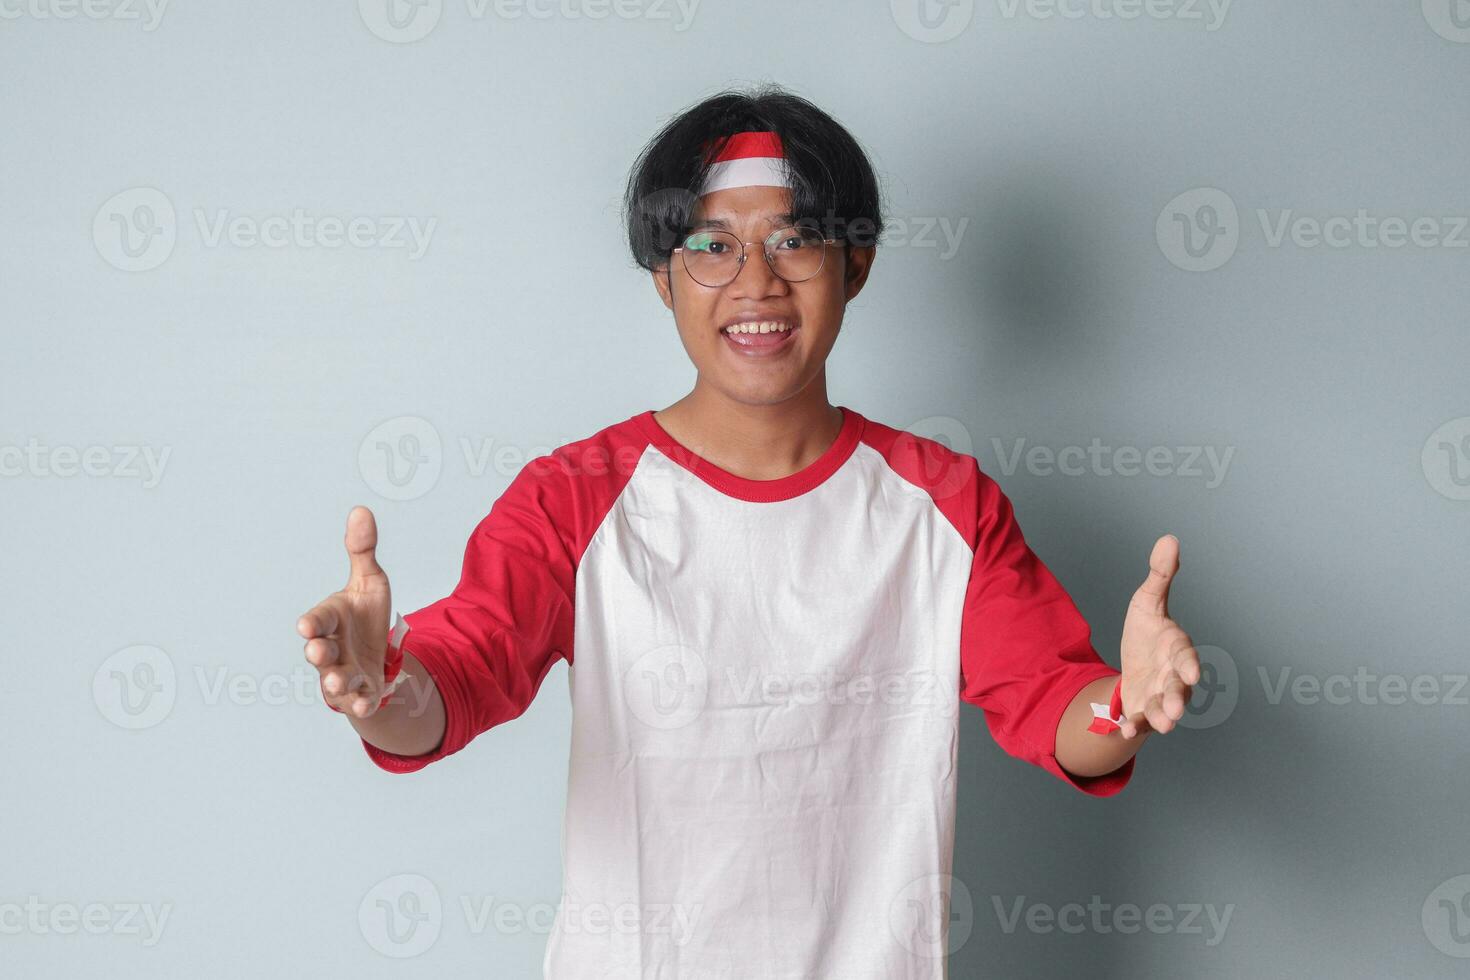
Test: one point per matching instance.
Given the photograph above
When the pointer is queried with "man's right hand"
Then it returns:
(347, 632)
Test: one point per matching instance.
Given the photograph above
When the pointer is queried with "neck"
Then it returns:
(756, 442)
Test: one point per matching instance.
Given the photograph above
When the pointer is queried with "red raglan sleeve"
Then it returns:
(489, 644)
(1025, 650)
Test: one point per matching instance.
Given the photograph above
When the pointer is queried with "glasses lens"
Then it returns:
(796, 253)
(712, 257)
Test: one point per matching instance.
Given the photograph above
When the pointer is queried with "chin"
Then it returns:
(760, 395)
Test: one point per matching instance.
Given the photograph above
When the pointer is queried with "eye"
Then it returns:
(792, 239)
(705, 242)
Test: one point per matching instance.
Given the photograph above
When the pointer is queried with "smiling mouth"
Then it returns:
(759, 336)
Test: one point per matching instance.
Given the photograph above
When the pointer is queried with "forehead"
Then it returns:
(743, 207)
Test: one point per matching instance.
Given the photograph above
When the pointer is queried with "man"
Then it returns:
(768, 636)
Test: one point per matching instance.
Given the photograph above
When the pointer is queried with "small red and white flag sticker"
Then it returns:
(394, 665)
(393, 673)
(1108, 717)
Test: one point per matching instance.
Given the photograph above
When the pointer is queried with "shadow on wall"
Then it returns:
(1219, 817)
(1036, 290)
(1045, 275)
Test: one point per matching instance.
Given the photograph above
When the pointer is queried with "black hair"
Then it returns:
(833, 184)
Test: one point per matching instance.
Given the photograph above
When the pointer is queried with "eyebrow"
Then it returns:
(784, 217)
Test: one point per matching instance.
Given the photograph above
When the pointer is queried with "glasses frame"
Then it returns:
(765, 252)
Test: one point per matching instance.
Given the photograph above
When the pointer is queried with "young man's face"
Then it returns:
(759, 373)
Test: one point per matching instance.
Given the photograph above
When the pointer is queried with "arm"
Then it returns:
(478, 656)
(1027, 658)
(1083, 753)
(472, 660)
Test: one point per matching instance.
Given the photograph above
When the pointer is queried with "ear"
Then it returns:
(661, 283)
(859, 264)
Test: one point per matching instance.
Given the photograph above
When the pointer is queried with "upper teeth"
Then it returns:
(758, 326)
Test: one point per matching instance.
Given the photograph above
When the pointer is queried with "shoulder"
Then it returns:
(571, 488)
(603, 459)
(940, 465)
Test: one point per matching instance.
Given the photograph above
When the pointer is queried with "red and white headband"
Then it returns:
(749, 159)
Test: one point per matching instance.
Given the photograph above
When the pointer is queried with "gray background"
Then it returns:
(1335, 544)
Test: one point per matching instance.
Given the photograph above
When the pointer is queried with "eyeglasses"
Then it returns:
(715, 258)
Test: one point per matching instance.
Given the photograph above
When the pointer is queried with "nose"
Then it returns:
(756, 278)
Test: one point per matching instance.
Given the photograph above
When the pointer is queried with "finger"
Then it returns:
(1175, 697)
(355, 702)
(352, 704)
(1185, 662)
(321, 651)
(1153, 710)
(362, 707)
(1163, 562)
(362, 543)
(322, 620)
(334, 683)
(1134, 725)
(343, 681)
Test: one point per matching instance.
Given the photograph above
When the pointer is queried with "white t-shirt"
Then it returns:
(765, 679)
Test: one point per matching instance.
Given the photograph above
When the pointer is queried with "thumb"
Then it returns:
(362, 543)
(1163, 562)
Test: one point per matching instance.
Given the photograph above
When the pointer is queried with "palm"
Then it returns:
(1159, 661)
(365, 624)
(347, 632)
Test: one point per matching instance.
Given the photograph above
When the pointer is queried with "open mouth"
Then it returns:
(759, 336)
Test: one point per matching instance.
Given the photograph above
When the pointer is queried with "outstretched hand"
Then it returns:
(347, 632)
(1159, 661)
